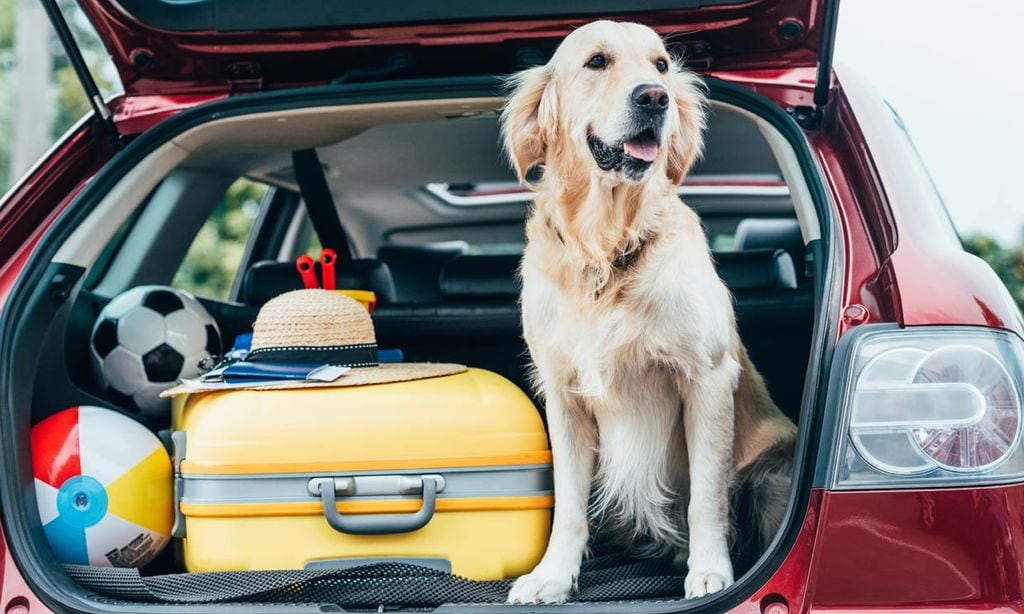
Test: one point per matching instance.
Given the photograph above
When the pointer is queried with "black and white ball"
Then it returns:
(146, 339)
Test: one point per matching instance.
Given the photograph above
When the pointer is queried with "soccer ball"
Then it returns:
(145, 340)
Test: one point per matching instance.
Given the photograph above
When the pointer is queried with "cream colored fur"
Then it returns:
(651, 401)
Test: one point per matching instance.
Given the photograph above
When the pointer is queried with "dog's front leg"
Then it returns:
(709, 423)
(573, 447)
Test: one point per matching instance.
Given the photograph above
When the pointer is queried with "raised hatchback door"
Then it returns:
(171, 46)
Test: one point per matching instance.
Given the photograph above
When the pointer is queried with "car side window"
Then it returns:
(215, 256)
(314, 247)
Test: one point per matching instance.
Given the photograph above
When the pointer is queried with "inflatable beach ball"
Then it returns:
(104, 487)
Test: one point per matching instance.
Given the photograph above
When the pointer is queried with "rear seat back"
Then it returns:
(268, 278)
(497, 277)
(477, 320)
(415, 269)
(481, 277)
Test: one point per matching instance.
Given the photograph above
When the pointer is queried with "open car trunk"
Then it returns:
(758, 169)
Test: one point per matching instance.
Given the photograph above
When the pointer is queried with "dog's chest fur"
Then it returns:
(666, 311)
(621, 348)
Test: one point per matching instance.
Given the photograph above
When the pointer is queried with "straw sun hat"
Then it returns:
(324, 327)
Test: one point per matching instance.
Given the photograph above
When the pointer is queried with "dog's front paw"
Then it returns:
(707, 579)
(543, 586)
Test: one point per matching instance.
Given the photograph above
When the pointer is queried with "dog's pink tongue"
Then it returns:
(646, 150)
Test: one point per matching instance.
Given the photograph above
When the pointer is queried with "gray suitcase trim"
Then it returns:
(425, 485)
(510, 481)
(179, 442)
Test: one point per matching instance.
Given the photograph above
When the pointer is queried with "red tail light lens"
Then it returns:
(990, 435)
(935, 405)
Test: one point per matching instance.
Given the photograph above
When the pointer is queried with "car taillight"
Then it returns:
(932, 406)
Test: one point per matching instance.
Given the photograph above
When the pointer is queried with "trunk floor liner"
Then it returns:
(613, 577)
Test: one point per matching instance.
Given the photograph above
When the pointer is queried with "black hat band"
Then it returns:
(356, 355)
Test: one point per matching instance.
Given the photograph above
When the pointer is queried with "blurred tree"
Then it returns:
(65, 95)
(1008, 263)
(71, 103)
(213, 259)
(6, 62)
(30, 76)
(6, 24)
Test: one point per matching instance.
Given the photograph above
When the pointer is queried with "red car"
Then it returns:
(899, 355)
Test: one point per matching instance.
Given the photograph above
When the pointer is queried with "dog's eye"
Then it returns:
(597, 61)
(661, 65)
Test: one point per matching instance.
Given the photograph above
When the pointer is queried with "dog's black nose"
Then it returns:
(650, 97)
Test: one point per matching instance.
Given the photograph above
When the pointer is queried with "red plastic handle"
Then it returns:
(305, 267)
(327, 260)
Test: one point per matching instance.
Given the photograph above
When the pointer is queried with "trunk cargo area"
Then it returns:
(251, 467)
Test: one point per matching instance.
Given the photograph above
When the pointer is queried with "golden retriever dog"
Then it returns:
(654, 410)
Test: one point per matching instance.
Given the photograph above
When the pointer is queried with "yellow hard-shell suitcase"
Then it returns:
(451, 470)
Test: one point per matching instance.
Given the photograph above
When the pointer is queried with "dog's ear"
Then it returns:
(528, 119)
(686, 140)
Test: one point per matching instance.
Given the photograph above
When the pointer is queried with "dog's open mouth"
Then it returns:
(633, 155)
(643, 146)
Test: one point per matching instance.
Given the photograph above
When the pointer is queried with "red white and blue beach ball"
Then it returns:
(104, 487)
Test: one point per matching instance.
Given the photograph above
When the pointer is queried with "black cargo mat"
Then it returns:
(612, 577)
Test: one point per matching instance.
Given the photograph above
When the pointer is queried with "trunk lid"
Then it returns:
(204, 46)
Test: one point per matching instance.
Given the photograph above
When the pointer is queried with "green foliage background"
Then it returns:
(213, 258)
(67, 98)
(1007, 262)
(6, 87)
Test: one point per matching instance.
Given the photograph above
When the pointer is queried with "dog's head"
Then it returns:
(612, 99)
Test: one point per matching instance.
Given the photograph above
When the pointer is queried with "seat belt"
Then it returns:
(309, 174)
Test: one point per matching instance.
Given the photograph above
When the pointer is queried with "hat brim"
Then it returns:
(387, 373)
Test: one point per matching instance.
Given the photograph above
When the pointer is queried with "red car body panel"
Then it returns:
(14, 591)
(955, 548)
(136, 114)
(154, 61)
(912, 550)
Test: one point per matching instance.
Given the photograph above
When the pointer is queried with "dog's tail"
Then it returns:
(759, 506)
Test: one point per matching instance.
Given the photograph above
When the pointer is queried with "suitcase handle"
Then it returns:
(375, 524)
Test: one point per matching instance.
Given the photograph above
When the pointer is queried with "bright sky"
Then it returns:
(954, 71)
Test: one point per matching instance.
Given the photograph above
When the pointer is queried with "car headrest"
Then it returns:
(497, 276)
(756, 269)
(491, 276)
(774, 233)
(267, 279)
(416, 269)
(441, 250)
